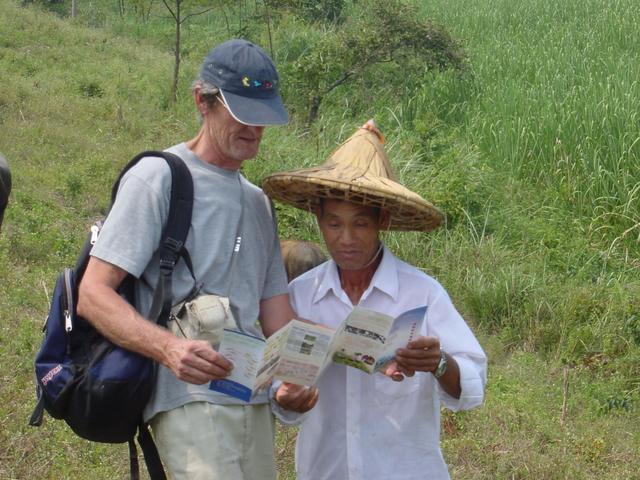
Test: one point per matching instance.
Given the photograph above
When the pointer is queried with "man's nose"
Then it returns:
(346, 236)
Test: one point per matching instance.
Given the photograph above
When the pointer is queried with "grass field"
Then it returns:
(532, 151)
(557, 103)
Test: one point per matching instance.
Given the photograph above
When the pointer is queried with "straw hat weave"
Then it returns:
(359, 172)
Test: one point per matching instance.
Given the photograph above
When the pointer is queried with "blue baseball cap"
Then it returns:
(248, 82)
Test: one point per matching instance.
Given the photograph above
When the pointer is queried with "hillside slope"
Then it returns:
(75, 104)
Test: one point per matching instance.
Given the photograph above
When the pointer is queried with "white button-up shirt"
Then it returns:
(368, 427)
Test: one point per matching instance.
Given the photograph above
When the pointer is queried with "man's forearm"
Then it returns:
(193, 361)
(275, 313)
(450, 379)
(121, 323)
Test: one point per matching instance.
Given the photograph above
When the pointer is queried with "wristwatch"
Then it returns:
(442, 365)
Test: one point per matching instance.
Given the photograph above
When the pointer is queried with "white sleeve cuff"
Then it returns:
(285, 417)
(473, 377)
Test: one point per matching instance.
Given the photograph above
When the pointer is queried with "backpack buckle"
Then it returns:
(169, 254)
(167, 264)
(173, 245)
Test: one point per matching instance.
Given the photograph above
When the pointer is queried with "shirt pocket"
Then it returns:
(386, 387)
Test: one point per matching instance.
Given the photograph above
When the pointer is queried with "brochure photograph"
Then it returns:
(368, 340)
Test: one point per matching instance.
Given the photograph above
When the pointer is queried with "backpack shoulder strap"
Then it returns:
(150, 453)
(175, 233)
(181, 203)
(173, 237)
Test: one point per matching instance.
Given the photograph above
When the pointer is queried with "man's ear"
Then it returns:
(384, 220)
(200, 102)
(317, 212)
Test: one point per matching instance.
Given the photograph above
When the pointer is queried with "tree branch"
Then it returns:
(194, 14)
(338, 82)
(349, 73)
(226, 19)
(170, 11)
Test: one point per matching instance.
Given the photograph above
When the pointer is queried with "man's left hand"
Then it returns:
(420, 355)
(297, 398)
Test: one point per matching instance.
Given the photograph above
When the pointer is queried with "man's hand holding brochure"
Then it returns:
(299, 352)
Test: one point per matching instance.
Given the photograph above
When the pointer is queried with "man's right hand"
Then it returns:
(195, 361)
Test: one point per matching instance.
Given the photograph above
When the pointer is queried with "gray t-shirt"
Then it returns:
(131, 234)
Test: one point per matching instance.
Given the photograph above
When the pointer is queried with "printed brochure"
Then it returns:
(296, 354)
(368, 340)
(299, 352)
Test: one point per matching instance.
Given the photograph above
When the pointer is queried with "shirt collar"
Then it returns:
(385, 279)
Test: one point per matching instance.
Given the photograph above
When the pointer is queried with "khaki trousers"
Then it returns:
(203, 441)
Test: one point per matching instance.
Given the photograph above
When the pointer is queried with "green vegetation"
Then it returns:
(532, 149)
(370, 34)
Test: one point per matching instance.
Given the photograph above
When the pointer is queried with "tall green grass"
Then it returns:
(557, 102)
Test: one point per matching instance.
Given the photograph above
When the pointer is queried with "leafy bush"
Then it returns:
(313, 10)
(374, 33)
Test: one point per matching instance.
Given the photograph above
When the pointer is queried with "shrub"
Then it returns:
(374, 33)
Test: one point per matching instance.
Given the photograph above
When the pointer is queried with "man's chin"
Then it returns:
(350, 266)
(248, 155)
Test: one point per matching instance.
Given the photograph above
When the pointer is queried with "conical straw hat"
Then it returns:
(359, 172)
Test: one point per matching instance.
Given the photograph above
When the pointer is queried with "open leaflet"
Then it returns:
(299, 352)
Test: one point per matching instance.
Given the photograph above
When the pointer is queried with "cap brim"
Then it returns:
(256, 111)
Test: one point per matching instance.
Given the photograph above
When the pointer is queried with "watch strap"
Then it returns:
(442, 365)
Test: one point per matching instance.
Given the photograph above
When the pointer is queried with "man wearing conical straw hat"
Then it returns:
(374, 426)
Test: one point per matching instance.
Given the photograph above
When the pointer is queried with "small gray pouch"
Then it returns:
(202, 318)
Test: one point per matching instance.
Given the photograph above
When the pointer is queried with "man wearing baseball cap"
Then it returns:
(237, 264)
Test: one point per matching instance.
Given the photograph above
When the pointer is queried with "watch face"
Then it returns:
(442, 366)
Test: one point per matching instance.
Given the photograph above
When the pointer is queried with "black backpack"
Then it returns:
(96, 387)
